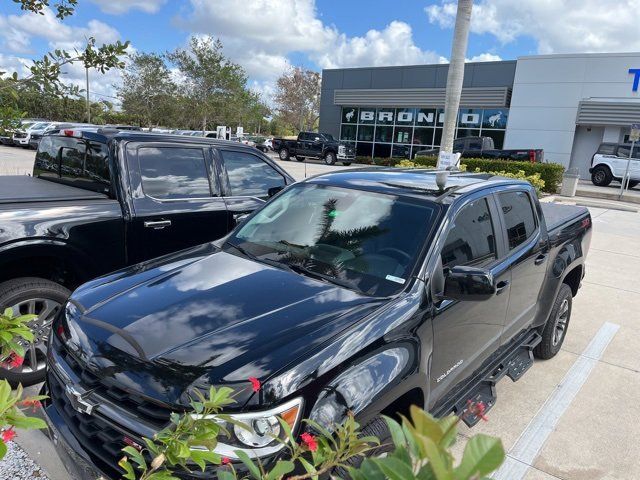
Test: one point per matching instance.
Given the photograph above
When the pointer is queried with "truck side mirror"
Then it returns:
(274, 190)
(468, 283)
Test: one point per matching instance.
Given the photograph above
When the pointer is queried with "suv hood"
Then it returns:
(215, 319)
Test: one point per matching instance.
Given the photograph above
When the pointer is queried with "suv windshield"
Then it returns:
(364, 241)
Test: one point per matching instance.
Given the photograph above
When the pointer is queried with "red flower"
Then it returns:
(8, 435)
(13, 361)
(310, 441)
(226, 460)
(34, 404)
(255, 384)
(477, 409)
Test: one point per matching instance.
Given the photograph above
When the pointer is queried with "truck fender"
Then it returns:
(363, 384)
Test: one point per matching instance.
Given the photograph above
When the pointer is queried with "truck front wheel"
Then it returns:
(375, 428)
(555, 330)
(601, 176)
(283, 154)
(330, 158)
(44, 298)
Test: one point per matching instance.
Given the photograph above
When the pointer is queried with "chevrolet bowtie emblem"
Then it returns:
(78, 401)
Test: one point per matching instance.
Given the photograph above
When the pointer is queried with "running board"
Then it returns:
(513, 362)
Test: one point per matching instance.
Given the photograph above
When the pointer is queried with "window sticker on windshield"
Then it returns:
(392, 278)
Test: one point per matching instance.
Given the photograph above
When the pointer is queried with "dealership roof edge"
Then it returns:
(420, 65)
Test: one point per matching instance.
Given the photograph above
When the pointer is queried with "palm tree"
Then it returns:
(456, 74)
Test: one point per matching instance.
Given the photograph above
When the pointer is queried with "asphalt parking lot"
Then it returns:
(574, 417)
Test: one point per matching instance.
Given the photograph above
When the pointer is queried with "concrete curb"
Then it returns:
(590, 202)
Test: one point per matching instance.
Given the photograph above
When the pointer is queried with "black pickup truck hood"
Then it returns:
(214, 319)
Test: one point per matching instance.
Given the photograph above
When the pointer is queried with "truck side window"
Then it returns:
(475, 144)
(471, 240)
(250, 176)
(519, 218)
(172, 173)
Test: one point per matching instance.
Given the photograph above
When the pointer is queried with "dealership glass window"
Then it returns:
(384, 134)
(400, 151)
(469, 118)
(367, 116)
(382, 150)
(495, 118)
(405, 116)
(437, 137)
(385, 116)
(497, 135)
(364, 149)
(467, 132)
(426, 117)
(403, 135)
(349, 115)
(423, 136)
(365, 133)
(348, 132)
(440, 117)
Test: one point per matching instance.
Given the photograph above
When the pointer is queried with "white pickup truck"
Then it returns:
(610, 163)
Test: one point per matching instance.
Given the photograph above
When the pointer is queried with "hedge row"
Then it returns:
(551, 173)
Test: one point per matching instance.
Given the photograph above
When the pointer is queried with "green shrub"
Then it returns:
(426, 161)
(379, 161)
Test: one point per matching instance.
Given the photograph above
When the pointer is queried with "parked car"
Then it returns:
(102, 199)
(22, 134)
(315, 145)
(610, 163)
(483, 147)
(36, 132)
(359, 292)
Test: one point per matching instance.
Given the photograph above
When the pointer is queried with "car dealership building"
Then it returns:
(564, 104)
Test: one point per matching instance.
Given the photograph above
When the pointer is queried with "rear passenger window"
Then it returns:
(171, 173)
(607, 148)
(250, 176)
(624, 151)
(471, 241)
(519, 218)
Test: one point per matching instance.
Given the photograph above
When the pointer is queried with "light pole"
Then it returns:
(88, 101)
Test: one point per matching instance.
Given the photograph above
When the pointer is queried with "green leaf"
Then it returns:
(126, 466)
(201, 457)
(482, 455)
(280, 469)
(225, 475)
(308, 467)
(425, 424)
(436, 457)
(253, 469)
(393, 468)
(28, 423)
(136, 456)
(370, 470)
(397, 435)
(3, 449)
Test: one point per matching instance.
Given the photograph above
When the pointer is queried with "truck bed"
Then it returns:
(557, 215)
(26, 189)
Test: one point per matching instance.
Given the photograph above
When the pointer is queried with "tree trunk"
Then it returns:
(204, 124)
(456, 74)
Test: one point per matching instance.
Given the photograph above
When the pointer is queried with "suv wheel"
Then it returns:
(283, 154)
(330, 158)
(633, 183)
(40, 297)
(601, 176)
(555, 330)
(346, 164)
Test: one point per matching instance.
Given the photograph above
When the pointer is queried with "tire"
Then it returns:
(555, 330)
(330, 158)
(346, 164)
(36, 295)
(283, 153)
(299, 158)
(632, 184)
(377, 428)
(601, 176)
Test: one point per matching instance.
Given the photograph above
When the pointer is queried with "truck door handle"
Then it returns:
(540, 259)
(501, 286)
(157, 224)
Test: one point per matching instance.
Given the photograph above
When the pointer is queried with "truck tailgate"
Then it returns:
(26, 189)
(556, 214)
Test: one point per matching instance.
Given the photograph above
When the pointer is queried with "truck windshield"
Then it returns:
(365, 241)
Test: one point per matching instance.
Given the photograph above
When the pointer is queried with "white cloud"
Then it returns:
(557, 27)
(117, 7)
(484, 57)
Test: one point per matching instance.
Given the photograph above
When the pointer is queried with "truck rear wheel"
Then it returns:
(555, 330)
(299, 158)
(601, 176)
(40, 297)
(283, 153)
(330, 158)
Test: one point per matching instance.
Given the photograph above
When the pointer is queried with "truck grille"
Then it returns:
(20, 135)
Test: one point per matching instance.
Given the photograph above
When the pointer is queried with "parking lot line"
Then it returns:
(528, 446)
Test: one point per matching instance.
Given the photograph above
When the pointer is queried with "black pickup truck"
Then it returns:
(315, 145)
(363, 291)
(100, 200)
(483, 147)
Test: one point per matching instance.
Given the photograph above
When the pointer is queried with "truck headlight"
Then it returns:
(341, 149)
(260, 433)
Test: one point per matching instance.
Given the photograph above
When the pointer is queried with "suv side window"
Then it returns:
(519, 217)
(471, 240)
(249, 175)
(607, 148)
(173, 173)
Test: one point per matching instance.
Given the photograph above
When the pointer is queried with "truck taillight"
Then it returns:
(532, 156)
(72, 133)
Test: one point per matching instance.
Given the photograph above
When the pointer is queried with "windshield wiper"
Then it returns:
(244, 251)
(255, 258)
(319, 276)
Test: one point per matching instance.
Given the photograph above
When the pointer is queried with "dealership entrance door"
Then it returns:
(585, 143)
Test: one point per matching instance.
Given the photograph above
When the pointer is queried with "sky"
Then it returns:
(267, 37)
